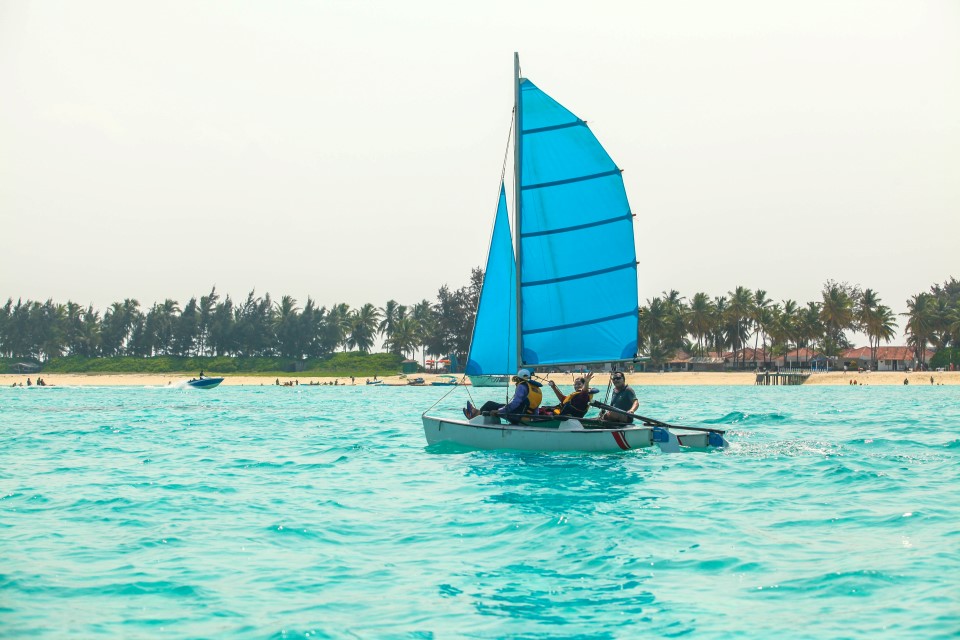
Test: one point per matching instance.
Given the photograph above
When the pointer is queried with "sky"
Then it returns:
(351, 151)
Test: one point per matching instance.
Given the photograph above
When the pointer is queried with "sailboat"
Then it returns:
(562, 291)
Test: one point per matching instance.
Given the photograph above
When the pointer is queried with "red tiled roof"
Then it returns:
(883, 353)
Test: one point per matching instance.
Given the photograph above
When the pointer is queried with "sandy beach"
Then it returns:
(635, 379)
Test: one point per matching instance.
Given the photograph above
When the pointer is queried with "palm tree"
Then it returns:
(759, 315)
(837, 315)
(953, 326)
(424, 318)
(940, 335)
(719, 338)
(921, 322)
(808, 324)
(876, 320)
(338, 325)
(163, 320)
(208, 305)
(403, 340)
(287, 328)
(886, 328)
(787, 324)
(699, 315)
(389, 314)
(117, 324)
(363, 327)
(738, 317)
(676, 312)
(653, 323)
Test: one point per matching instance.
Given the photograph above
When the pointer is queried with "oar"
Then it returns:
(650, 421)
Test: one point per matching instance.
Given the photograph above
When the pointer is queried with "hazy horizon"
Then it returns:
(351, 152)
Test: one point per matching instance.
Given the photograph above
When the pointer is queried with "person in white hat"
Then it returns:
(526, 399)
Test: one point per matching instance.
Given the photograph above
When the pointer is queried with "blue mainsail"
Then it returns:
(493, 349)
(578, 264)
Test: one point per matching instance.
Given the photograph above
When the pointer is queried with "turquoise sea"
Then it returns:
(277, 512)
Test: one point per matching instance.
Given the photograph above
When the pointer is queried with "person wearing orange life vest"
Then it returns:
(526, 400)
(575, 404)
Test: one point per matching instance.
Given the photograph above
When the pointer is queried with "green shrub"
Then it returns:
(945, 357)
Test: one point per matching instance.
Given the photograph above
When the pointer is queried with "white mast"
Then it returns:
(517, 144)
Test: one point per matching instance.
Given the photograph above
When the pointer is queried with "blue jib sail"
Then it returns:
(578, 264)
(493, 349)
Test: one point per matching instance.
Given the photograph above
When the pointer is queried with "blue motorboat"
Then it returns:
(204, 383)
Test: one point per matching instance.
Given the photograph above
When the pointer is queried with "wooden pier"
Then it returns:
(777, 378)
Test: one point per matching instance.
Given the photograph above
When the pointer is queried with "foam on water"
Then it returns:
(320, 512)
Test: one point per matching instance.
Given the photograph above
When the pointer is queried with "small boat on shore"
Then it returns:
(416, 382)
(445, 381)
(374, 382)
(204, 383)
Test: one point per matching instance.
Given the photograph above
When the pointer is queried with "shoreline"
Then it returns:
(724, 378)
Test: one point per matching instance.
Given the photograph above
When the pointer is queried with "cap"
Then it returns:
(524, 373)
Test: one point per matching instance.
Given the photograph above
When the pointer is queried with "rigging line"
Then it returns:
(503, 173)
(506, 151)
(609, 386)
(444, 396)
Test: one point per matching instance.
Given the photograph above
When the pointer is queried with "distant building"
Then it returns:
(888, 358)
(683, 361)
(749, 358)
(796, 359)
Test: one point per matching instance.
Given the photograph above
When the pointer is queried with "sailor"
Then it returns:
(526, 399)
(577, 403)
(623, 398)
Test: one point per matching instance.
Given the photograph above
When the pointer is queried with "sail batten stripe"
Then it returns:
(577, 276)
(582, 323)
(534, 234)
(556, 183)
(565, 125)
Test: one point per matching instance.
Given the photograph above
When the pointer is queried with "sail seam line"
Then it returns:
(578, 227)
(556, 183)
(584, 323)
(566, 125)
(577, 276)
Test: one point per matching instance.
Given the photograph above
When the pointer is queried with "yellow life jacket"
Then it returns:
(576, 411)
(534, 395)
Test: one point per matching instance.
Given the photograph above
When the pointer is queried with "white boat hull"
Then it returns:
(490, 381)
(485, 432)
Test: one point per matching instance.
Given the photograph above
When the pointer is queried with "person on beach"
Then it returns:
(201, 374)
(577, 403)
(526, 400)
(624, 399)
